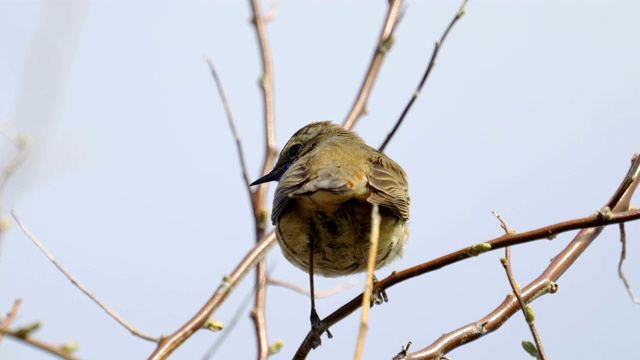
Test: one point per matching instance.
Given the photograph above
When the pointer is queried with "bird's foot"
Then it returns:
(316, 331)
(378, 296)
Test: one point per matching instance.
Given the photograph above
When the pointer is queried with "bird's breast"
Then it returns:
(338, 237)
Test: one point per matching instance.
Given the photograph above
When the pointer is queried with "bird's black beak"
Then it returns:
(274, 175)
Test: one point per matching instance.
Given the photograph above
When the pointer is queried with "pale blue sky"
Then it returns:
(133, 181)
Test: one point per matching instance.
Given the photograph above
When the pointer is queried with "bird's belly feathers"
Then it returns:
(339, 235)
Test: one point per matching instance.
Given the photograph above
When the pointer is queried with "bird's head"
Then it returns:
(300, 144)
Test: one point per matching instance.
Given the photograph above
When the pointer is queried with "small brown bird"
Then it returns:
(329, 179)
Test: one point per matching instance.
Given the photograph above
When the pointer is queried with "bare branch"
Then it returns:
(266, 82)
(384, 44)
(432, 63)
(77, 284)
(7, 321)
(503, 224)
(528, 315)
(506, 263)
(623, 255)
(231, 121)
(368, 288)
(625, 200)
(168, 344)
(240, 312)
(59, 351)
(621, 199)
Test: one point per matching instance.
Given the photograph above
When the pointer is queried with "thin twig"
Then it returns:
(304, 291)
(506, 263)
(546, 282)
(259, 195)
(621, 199)
(624, 203)
(385, 40)
(52, 349)
(432, 63)
(528, 316)
(503, 224)
(258, 313)
(76, 283)
(231, 121)
(623, 256)
(371, 264)
(7, 321)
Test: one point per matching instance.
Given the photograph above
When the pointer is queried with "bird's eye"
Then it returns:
(294, 150)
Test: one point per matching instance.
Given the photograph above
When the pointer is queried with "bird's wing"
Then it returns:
(290, 181)
(390, 189)
(299, 181)
(335, 178)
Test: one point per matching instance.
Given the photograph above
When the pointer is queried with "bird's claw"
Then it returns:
(378, 296)
(316, 331)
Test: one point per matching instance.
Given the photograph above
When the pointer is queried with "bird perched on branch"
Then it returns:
(328, 181)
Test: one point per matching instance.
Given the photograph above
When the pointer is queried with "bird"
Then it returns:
(328, 181)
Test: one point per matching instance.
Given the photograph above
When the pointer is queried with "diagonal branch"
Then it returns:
(168, 344)
(527, 312)
(384, 44)
(366, 299)
(77, 283)
(591, 227)
(425, 76)
(231, 121)
(12, 313)
(259, 196)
